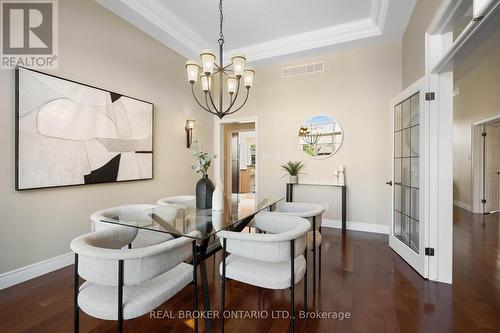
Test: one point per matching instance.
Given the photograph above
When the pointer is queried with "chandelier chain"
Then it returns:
(221, 34)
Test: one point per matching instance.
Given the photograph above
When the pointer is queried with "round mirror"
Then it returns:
(320, 136)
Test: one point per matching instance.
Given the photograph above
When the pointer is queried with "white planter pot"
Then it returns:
(293, 179)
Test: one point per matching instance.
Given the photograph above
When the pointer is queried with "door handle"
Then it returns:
(389, 183)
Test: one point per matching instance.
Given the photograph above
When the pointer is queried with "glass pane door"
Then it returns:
(406, 171)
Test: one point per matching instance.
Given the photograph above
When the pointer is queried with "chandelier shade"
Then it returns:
(225, 100)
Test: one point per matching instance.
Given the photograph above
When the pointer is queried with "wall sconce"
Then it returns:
(189, 132)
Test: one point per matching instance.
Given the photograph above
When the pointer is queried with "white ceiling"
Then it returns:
(266, 29)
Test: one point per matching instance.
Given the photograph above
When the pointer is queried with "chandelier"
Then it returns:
(311, 135)
(232, 74)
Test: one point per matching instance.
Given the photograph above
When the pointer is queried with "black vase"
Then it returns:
(204, 190)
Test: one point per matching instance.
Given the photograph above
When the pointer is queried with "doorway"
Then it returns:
(239, 159)
(486, 165)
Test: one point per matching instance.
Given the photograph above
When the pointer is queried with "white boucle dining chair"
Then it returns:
(178, 200)
(269, 260)
(144, 237)
(123, 284)
(312, 212)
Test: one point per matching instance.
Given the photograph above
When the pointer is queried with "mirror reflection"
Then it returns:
(320, 136)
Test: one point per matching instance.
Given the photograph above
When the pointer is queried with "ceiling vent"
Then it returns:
(292, 71)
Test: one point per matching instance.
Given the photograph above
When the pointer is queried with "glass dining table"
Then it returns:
(183, 219)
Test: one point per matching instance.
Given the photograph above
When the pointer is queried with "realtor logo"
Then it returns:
(29, 33)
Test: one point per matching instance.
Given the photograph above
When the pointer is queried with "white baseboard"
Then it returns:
(357, 226)
(463, 205)
(37, 269)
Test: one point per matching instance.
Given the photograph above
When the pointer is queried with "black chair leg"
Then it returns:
(195, 284)
(292, 282)
(314, 254)
(76, 308)
(320, 255)
(120, 296)
(305, 284)
(223, 285)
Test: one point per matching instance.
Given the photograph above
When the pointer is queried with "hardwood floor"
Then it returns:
(360, 275)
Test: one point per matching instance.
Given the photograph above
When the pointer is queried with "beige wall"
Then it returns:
(356, 87)
(98, 48)
(414, 41)
(478, 78)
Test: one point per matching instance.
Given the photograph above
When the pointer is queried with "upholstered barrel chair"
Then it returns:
(312, 212)
(272, 260)
(123, 284)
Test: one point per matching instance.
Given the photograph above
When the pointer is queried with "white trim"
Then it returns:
(463, 205)
(477, 163)
(466, 42)
(152, 18)
(310, 40)
(356, 226)
(379, 13)
(34, 270)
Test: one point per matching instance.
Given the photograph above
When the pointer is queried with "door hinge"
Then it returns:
(483, 200)
(483, 134)
(429, 251)
(430, 96)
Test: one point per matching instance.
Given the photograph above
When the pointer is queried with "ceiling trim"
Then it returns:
(309, 40)
(153, 19)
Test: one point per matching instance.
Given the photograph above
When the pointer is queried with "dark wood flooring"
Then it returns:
(360, 275)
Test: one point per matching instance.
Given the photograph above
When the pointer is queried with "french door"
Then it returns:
(410, 117)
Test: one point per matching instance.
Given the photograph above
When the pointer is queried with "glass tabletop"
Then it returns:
(184, 219)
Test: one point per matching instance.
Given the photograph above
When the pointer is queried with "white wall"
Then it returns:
(356, 87)
(100, 49)
(478, 79)
(414, 41)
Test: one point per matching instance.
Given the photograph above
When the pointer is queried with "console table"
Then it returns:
(289, 197)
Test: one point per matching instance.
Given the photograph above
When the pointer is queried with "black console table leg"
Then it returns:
(344, 208)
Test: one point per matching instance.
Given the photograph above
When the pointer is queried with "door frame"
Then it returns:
(219, 166)
(477, 163)
(419, 261)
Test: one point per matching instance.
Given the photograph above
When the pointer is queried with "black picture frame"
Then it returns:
(17, 132)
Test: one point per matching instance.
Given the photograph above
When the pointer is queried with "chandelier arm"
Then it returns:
(244, 101)
(208, 105)
(197, 101)
(212, 101)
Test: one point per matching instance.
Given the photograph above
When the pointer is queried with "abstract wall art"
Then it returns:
(68, 133)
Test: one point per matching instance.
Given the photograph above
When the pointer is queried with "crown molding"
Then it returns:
(379, 12)
(310, 40)
(152, 18)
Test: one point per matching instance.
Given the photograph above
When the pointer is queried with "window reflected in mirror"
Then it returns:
(320, 136)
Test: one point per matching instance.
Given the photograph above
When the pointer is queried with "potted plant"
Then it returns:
(293, 168)
(204, 187)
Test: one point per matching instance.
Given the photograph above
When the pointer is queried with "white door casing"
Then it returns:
(492, 146)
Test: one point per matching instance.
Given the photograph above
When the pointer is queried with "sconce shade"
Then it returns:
(189, 132)
(189, 124)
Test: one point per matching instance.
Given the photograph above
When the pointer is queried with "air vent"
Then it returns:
(292, 71)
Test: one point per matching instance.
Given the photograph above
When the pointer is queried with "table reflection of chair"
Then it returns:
(144, 237)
